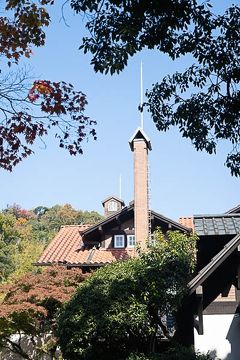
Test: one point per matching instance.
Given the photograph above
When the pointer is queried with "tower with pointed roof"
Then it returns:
(141, 145)
(111, 205)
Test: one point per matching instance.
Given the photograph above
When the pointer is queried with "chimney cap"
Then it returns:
(138, 135)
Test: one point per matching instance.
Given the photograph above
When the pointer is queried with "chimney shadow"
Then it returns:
(233, 337)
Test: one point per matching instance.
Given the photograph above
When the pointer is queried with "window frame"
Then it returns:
(112, 205)
(128, 240)
(115, 241)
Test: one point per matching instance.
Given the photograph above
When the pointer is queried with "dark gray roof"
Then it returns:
(127, 210)
(175, 225)
(235, 210)
(227, 224)
(113, 197)
(110, 218)
(214, 264)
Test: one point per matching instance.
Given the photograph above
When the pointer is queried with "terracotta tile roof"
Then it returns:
(99, 256)
(65, 243)
(66, 248)
(187, 221)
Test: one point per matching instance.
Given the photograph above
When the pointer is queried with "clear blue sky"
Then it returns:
(183, 181)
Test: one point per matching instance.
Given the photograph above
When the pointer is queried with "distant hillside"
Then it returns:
(25, 233)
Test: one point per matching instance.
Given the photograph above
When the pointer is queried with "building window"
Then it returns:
(119, 241)
(112, 206)
(131, 241)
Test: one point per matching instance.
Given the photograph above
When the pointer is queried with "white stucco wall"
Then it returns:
(30, 348)
(221, 335)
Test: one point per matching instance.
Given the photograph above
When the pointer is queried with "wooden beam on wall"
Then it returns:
(238, 275)
(238, 268)
(198, 322)
(117, 218)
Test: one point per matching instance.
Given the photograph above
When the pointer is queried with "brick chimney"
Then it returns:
(140, 145)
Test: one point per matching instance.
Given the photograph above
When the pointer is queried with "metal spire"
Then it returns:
(141, 77)
(120, 186)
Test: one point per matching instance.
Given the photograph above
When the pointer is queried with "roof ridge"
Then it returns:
(109, 218)
(75, 225)
(113, 197)
(174, 222)
(115, 249)
(232, 210)
(231, 215)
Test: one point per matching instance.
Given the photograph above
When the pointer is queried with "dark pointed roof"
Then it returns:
(115, 198)
(127, 211)
(214, 264)
(235, 210)
(140, 134)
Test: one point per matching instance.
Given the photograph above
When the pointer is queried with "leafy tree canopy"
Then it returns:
(53, 218)
(6, 261)
(24, 234)
(30, 306)
(120, 308)
(28, 110)
(204, 100)
(174, 353)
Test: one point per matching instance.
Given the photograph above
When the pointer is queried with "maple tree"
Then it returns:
(28, 112)
(29, 309)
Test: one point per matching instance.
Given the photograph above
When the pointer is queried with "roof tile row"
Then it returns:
(64, 248)
(217, 225)
(65, 243)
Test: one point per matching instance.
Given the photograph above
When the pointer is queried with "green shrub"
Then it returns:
(175, 353)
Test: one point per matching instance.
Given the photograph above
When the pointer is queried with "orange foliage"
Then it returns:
(31, 304)
(21, 221)
(42, 292)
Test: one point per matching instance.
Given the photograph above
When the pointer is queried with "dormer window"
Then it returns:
(119, 241)
(112, 206)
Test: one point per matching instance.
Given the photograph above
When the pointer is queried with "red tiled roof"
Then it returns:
(66, 248)
(187, 221)
(63, 245)
(99, 256)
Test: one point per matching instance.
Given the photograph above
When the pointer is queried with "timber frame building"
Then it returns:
(214, 293)
(212, 306)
